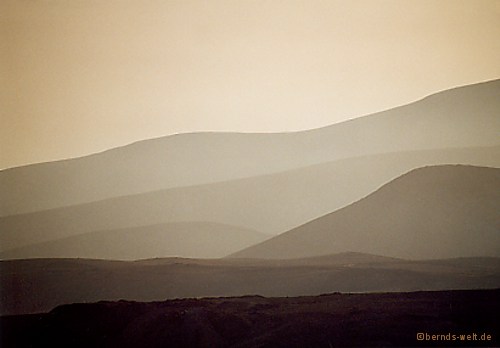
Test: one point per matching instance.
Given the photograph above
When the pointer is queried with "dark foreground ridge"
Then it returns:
(333, 320)
(39, 285)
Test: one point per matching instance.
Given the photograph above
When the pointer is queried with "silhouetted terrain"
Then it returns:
(272, 204)
(457, 118)
(295, 214)
(38, 285)
(432, 212)
(334, 320)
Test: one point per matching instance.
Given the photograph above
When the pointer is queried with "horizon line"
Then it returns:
(250, 132)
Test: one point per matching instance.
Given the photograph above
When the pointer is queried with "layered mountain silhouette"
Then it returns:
(458, 118)
(270, 204)
(38, 285)
(431, 212)
(401, 200)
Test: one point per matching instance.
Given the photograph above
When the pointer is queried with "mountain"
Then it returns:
(457, 118)
(431, 212)
(38, 285)
(271, 203)
(184, 239)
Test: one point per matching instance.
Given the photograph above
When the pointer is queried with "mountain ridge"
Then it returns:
(429, 96)
(443, 120)
(270, 204)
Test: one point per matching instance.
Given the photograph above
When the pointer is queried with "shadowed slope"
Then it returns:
(461, 117)
(184, 239)
(270, 204)
(432, 212)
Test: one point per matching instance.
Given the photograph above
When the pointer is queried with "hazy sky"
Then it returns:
(83, 76)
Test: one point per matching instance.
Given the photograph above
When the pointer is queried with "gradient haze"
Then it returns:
(80, 77)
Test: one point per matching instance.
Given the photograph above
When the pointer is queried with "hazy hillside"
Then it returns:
(40, 284)
(184, 239)
(458, 118)
(270, 204)
(432, 212)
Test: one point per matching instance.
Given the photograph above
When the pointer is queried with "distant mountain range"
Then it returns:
(167, 195)
(270, 204)
(458, 118)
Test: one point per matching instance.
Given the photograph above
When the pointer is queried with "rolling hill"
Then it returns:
(270, 204)
(458, 118)
(431, 212)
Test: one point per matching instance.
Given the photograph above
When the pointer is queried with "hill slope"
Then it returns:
(183, 239)
(271, 204)
(432, 212)
(461, 117)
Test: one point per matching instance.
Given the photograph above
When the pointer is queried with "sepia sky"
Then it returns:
(82, 76)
